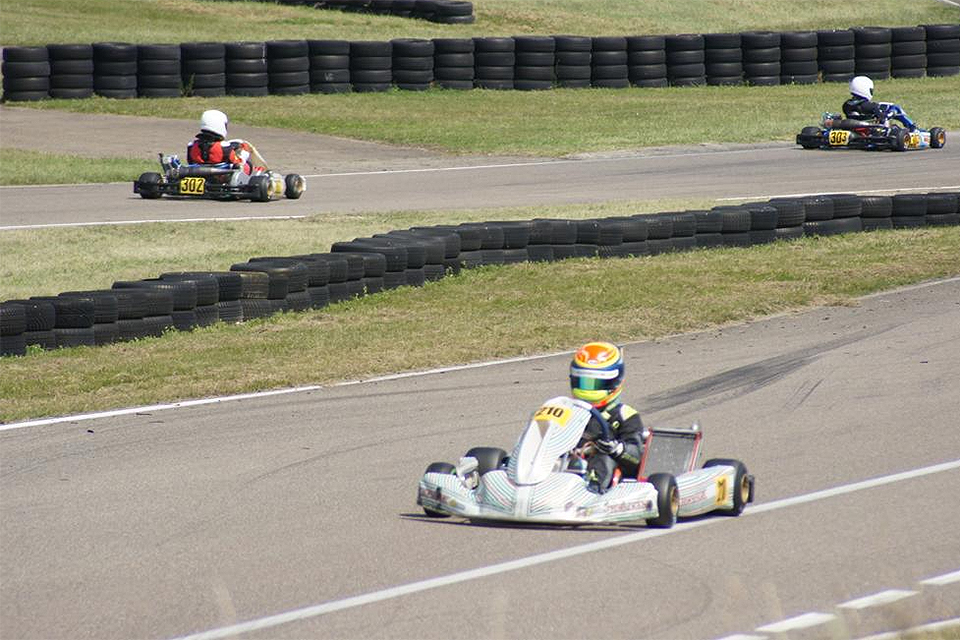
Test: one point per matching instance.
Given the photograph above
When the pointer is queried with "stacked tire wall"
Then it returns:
(264, 285)
(293, 67)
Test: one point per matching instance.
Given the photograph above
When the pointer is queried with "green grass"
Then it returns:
(19, 166)
(486, 313)
(552, 123)
(147, 21)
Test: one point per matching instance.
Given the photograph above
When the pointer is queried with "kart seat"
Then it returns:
(204, 170)
(850, 124)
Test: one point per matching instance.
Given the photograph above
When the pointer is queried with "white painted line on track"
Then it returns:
(820, 193)
(931, 627)
(939, 581)
(803, 621)
(878, 599)
(107, 223)
(809, 619)
(742, 636)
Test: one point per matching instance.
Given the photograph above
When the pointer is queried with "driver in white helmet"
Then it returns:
(861, 106)
(211, 146)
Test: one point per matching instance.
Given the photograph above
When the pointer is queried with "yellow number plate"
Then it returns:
(914, 140)
(560, 415)
(721, 490)
(191, 186)
(839, 138)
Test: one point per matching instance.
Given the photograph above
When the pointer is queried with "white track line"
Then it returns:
(802, 621)
(390, 593)
(939, 581)
(878, 599)
(932, 627)
(107, 223)
(820, 193)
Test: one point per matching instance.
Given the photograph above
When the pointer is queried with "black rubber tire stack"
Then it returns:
(40, 318)
(763, 222)
(494, 60)
(300, 275)
(846, 213)
(106, 314)
(798, 57)
(659, 233)
(13, 324)
(329, 66)
(26, 73)
(573, 61)
(608, 62)
(908, 52)
(647, 61)
(424, 9)
(872, 47)
(247, 73)
(734, 225)
(761, 58)
(909, 210)
(71, 70)
(683, 226)
(158, 70)
(413, 63)
(790, 218)
(453, 63)
(115, 69)
(534, 60)
(370, 66)
(402, 8)
(835, 55)
(453, 12)
(943, 209)
(288, 64)
(875, 212)
(203, 68)
(685, 56)
(635, 232)
(819, 216)
(943, 49)
(723, 58)
(75, 316)
(380, 7)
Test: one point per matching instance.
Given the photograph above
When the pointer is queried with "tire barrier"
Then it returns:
(292, 67)
(264, 285)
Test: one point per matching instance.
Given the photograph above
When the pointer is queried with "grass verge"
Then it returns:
(552, 123)
(19, 167)
(486, 313)
(54, 21)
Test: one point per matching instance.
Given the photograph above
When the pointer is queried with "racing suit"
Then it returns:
(857, 108)
(627, 427)
(210, 149)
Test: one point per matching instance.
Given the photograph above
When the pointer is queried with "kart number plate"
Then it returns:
(839, 138)
(560, 415)
(191, 186)
(914, 140)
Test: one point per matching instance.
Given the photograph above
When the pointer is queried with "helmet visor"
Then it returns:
(594, 380)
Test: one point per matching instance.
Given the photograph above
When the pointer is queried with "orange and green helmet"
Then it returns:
(596, 373)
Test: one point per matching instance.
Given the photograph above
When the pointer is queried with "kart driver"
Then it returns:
(596, 376)
(210, 146)
(860, 106)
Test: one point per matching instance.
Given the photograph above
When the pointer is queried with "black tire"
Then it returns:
(439, 467)
(668, 500)
(488, 458)
(898, 139)
(15, 345)
(938, 137)
(810, 137)
(742, 484)
(13, 319)
(294, 186)
(261, 188)
(148, 185)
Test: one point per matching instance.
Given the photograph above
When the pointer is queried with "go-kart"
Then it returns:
(219, 181)
(544, 479)
(893, 130)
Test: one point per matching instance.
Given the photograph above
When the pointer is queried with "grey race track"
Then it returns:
(172, 522)
(353, 176)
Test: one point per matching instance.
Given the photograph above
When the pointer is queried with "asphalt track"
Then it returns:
(167, 523)
(348, 176)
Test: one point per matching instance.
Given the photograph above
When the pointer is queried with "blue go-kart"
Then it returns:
(893, 130)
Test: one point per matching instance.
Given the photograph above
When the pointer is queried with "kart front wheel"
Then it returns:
(898, 139)
(261, 188)
(668, 500)
(294, 186)
(439, 467)
(938, 137)
(810, 137)
(742, 483)
(148, 185)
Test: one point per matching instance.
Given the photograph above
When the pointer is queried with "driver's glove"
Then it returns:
(612, 447)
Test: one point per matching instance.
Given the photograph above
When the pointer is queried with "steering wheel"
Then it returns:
(605, 430)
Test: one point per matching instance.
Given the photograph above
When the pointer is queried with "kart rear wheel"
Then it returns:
(439, 467)
(809, 137)
(668, 500)
(938, 137)
(294, 186)
(898, 139)
(148, 185)
(742, 483)
(261, 188)
(488, 458)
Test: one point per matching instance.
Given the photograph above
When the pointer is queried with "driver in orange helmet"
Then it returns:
(596, 377)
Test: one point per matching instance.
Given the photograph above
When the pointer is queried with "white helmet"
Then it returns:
(862, 86)
(215, 122)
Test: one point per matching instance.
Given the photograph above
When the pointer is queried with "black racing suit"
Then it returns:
(857, 108)
(627, 427)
